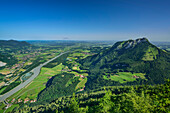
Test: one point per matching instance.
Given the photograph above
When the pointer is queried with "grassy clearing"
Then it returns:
(81, 84)
(150, 54)
(87, 51)
(124, 77)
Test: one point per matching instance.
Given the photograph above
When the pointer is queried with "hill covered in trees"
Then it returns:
(13, 43)
(127, 63)
(8, 47)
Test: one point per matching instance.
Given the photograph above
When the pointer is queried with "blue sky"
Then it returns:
(84, 19)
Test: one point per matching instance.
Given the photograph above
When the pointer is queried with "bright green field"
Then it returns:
(32, 89)
(124, 77)
(81, 83)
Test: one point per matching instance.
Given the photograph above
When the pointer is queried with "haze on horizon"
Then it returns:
(84, 19)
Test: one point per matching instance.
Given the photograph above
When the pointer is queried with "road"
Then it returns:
(36, 72)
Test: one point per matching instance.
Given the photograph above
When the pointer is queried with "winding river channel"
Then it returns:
(36, 72)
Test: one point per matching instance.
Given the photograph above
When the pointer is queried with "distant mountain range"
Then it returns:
(13, 43)
(131, 56)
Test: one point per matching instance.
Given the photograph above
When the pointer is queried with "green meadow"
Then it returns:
(124, 77)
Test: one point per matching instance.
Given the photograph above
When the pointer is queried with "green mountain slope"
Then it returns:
(134, 57)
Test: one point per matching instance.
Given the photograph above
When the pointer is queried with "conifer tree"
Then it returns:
(106, 104)
(74, 106)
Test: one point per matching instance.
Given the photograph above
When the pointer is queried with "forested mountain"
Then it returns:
(131, 57)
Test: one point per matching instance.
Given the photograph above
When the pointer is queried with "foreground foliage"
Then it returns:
(131, 99)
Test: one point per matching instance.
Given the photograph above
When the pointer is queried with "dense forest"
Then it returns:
(56, 87)
(131, 99)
